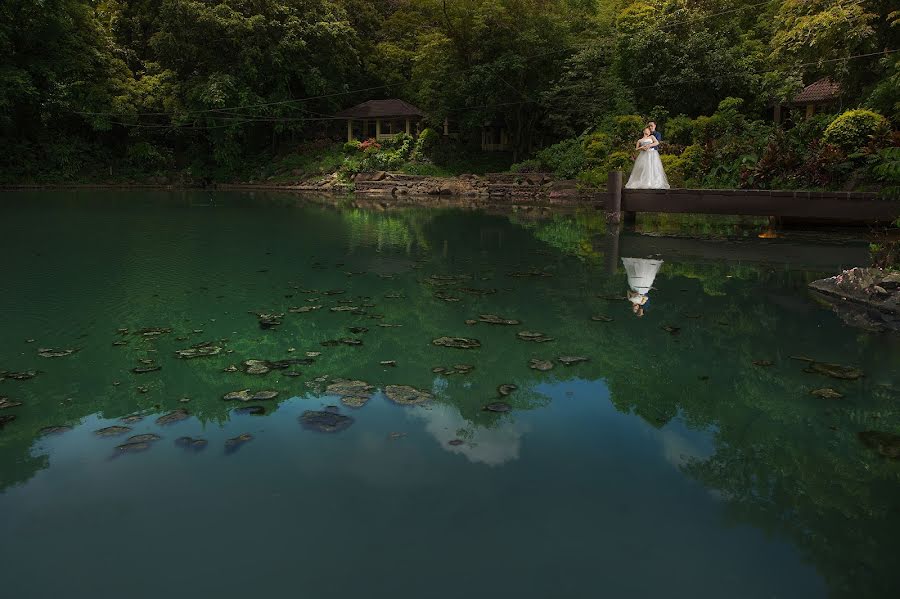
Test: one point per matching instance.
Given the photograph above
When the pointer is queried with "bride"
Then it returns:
(648, 170)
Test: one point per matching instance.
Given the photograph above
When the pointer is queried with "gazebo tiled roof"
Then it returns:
(823, 90)
(381, 109)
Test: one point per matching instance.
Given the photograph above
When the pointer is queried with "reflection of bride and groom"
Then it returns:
(641, 273)
(648, 170)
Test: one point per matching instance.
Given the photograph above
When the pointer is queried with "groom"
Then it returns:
(652, 126)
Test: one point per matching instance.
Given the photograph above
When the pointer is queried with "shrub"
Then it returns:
(692, 162)
(674, 167)
(352, 146)
(854, 129)
(619, 161)
(886, 169)
(424, 144)
(627, 128)
(565, 159)
(596, 147)
(679, 130)
(532, 165)
(146, 156)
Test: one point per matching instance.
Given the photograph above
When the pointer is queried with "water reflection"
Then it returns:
(641, 273)
(492, 445)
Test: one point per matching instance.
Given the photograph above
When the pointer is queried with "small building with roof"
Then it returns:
(817, 95)
(382, 119)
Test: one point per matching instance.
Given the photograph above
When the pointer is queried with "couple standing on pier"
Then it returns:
(648, 170)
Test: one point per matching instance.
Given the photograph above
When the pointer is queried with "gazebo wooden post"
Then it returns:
(377, 128)
(349, 130)
(407, 126)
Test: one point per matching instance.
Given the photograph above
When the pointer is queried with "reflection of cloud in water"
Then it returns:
(491, 446)
(678, 449)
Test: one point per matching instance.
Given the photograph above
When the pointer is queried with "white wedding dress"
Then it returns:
(648, 170)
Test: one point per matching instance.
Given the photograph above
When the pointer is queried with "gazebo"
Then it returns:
(382, 119)
(818, 94)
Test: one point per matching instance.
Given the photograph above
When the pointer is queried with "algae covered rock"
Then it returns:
(406, 395)
(456, 342)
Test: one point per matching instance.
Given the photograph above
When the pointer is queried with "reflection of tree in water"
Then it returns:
(402, 229)
(571, 235)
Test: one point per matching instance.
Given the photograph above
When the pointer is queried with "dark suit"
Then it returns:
(658, 137)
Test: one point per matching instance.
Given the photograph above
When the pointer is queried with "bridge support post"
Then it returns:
(614, 211)
(611, 247)
(614, 197)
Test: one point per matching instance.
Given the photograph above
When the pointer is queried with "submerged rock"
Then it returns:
(19, 376)
(131, 419)
(455, 442)
(570, 360)
(136, 447)
(256, 366)
(345, 309)
(534, 336)
(506, 389)
(455, 369)
(355, 401)
(111, 431)
(358, 330)
(6, 402)
(235, 443)
(325, 422)
(172, 417)
(396, 435)
(246, 395)
(672, 330)
(145, 438)
(457, 342)
(45, 352)
(304, 309)
(443, 295)
(191, 443)
(602, 318)
(498, 407)
(55, 430)
(146, 369)
(391, 363)
(826, 393)
(249, 410)
(268, 320)
(6, 419)
(542, 365)
(199, 350)
(886, 444)
(406, 395)
(836, 371)
(153, 331)
(530, 273)
(342, 387)
(494, 319)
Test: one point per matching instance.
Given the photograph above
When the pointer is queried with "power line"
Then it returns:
(243, 119)
(406, 82)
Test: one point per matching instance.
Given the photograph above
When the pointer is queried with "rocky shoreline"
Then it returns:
(864, 297)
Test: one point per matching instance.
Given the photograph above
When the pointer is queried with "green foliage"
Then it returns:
(854, 129)
(425, 143)
(565, 159)
(886, 169)
(627, 128)
(679, 130)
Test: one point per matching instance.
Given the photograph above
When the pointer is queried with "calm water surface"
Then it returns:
(686, 458)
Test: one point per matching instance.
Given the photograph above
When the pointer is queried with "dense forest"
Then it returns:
(198, 90)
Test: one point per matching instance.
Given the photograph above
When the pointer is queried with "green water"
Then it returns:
(669, 464)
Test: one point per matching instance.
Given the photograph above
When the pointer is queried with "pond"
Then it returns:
(278, 396)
